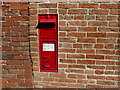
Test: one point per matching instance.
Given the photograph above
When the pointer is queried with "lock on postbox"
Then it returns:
(48, 42)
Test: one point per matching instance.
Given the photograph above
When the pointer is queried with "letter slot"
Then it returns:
(48, 42)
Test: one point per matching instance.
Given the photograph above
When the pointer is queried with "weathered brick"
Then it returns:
(111, 6)
(77, 11)
(87, 29)
(48, 5)
(76, 34)
(86, 40)
(95, 56)
(98, 11)
(67, 5)
(97, 23)
(88, 5)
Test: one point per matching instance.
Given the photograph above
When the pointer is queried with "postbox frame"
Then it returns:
(48, 40)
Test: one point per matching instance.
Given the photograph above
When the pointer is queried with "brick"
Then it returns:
(67, 28)
(19, 7)
(62, 66)
(113, 35)
(114, 11)
(87, 45)
(86, 81)
(62, 23)
(105, 51)
(62, 34)
(48, 5)
(53, 10)
(12, 80)
(22, 39)
(98, 46)
(10, 24)
(112, 17)
(9, 84)
(97, 23)
(111, 6)
(12, 12)
(74, 71)
(67, 39)
(79, 17)
(98, 11)
(77, 11)
(21, 57)
(89, 71)
(95, 67)
(67, 5)
(109, 72)
(90, 17)
(49, 79)
(23, 28)
(57, 75)
(106, 41)
(101, 17)
(58, 1)
(76, 66)
(109, 46)
(109, 29)
(67, 50)
(32, 23)
(6, 48)
(12, 53)
(95, 56)
(62, 11)
(80, 76)
(58, 84)
(42, 11)
(114, 23)
(76, 85)
(67, 45)
(76, 34)
(67, 61)
(61, 55)
(88, 5)
(99, 72)
(96, 35)
(25, 84)
(105, 62)
(94, 86)
(85, 51)
(95, 77)
(86, 40)
(86, 61)
(76, 45)
(33, 44)
(32, 6)
(87, 29)
(112, 78)
(76, 23)
(106, 82)
(68, 17)
(32, 11)
(75, 56)
(5, 7)
(112, 67)
(20, 18)
(67, 80)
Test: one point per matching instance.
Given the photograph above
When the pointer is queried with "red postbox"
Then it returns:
(48, 42)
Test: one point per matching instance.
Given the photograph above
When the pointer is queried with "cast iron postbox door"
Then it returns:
(48, 42)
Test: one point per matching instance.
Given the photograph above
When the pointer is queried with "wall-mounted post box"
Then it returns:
(48, 42)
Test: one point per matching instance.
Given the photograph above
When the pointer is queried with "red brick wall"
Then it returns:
(16, 62)
(88, 44)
